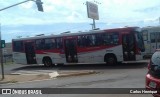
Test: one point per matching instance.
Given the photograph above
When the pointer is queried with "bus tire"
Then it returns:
(60, 64)
(110, 59)
(47, 62)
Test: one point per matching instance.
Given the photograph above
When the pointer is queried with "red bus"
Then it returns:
(95, 46)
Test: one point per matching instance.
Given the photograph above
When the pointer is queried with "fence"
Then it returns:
(7, 58)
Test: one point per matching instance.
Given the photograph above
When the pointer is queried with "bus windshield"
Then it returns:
(140, 41)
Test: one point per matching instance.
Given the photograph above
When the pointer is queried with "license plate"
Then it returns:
(152, 84)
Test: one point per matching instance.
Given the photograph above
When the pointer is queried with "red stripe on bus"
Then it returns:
(79, 49)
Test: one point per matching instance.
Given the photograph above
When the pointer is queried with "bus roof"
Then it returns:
(151, 28)
(77, 33)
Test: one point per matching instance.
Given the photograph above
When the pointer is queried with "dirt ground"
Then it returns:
(23, 78)
(14, 78)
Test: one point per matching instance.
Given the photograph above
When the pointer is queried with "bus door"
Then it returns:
(70, 46)
(153, 37)
(128, 44)
(30, 53)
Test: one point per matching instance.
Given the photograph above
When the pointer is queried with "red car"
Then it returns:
(153, 75)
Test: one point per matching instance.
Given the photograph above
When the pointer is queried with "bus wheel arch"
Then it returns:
(110, 59)
(47, 61)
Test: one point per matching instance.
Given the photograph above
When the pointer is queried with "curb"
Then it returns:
(58, 76)
(77, 73)
(7, 82)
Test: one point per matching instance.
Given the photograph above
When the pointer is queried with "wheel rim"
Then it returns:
(47, 63)
(111, 60)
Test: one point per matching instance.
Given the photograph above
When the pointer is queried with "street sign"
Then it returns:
(92, 10)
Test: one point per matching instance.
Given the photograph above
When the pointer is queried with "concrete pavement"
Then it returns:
(39, 75)
(125, 76)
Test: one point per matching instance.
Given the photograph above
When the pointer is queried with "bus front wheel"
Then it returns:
(47, 62)
(111, 60)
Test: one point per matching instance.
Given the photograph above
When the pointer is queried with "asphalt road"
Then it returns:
(8, 69)
(118, 76)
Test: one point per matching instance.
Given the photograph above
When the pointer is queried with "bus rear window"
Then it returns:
(18, 46)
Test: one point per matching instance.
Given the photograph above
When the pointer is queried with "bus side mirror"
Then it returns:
(3, 43)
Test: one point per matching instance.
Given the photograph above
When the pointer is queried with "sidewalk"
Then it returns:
(26, 77)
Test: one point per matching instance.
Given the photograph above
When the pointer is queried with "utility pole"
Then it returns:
(92, 12)
(1, 55)
(94, 24)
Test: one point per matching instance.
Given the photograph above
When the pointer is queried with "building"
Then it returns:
(7, 53)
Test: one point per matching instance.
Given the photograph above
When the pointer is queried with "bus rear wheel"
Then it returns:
(111, 60)
(47, 62)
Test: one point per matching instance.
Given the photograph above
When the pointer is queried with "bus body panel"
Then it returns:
(98, 56)
(71, 48)
(151, 37)
(19, 58)
(55, 57)
(139, 57)
(87, 57)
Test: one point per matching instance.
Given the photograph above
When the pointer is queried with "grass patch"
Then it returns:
(5, 82)
(8, 63)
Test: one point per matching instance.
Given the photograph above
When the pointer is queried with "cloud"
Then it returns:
(76, 17)
(149, 9)
(27, 5)
(48, 8)
(113, 13)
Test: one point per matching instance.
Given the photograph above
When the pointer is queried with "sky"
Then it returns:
(71, 15)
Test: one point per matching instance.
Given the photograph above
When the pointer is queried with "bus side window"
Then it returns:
(59, 43)
(145, 35)
(84, 42)
(158, 36)
(90, 40)
(18, 46)
(152, 37)
(46, 47)
(49, 44)
(81, 40)
(110, 39)
(87, 41)
(93, 40)
(115, 38)
(40, 44)
(53, 43)
(106, 38)
(99, 40)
